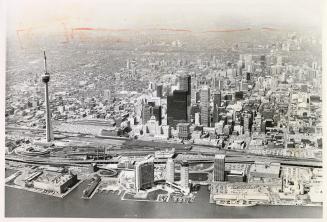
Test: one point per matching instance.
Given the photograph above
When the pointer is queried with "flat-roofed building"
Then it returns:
(144, 174)
(170, 170)
(219, 167)
(265, 170)
(56, 182)
(185, 174)
(184, 131)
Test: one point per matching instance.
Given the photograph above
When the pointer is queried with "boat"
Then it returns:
(91, 187)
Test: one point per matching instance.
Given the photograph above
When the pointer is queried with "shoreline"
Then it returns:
(45, 193)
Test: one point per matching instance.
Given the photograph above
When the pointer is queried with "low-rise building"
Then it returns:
(55, 182)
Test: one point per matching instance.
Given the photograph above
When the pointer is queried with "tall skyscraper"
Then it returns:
(151, 86)
(185, 85)
(247, 60)
(46, 79)
(144, 174)
(146, 113)
(156, 112)
(239, 67)
(193, 95)
(216, 105)
(248, 76)
(257, 123)
(170, 170)
(184, 174)
(107, 95)
(128, 64)
(150, 109)
(204, 104)
(218, 83)
(159, 88)
(246, 123)
(219, 168)
(193, 89)
(177, 108)
(197, 119)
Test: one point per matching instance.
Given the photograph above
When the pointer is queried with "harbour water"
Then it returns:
(20, 203)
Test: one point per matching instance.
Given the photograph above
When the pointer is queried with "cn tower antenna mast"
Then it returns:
(45, 64)
(45, 80)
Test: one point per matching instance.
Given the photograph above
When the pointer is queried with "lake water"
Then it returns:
(20, 203)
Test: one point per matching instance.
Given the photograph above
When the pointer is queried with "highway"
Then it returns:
(229, 159)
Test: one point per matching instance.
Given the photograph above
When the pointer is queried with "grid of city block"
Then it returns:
(219, 123)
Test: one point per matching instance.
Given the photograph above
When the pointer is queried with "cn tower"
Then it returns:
(46, 79)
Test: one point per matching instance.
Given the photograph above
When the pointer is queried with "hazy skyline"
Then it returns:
(193, 15)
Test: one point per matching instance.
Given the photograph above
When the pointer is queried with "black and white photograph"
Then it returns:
(153, 109)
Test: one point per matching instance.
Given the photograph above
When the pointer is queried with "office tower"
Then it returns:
(197, 119)
(151, 103)
(283, 77)
(128, 64)
(193, 90)
(216, 104)
(144, 174)
(219, 168)
(146, 113)
(152, 127)
(177, 108)
(227, 129)
(218, 83)
(185, 85)
(246, 123)
(151, 86)
(239, 68)
(157, 113)
(183, 131)
(247, 60)
(170, 170)
(107, 95)
(248, 76)
(219, 127)
(45, 80)
(194, 109)
(244, 86)
(238, 95)
(184, 174)
(258, 122)
(134, 72)
(264, 126)
(193, 95)
(204, 103)
(159, 88)
(166, 131)
(262, 60)
(314, 65)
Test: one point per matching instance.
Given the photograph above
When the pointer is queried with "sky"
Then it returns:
(195, 15)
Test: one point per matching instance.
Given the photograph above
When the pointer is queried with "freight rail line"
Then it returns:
(83, 162)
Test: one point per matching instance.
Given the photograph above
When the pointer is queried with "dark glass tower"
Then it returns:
(177, 108)
(185, 85)
(216, 104)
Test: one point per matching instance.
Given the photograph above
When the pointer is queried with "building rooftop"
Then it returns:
(267, 168)
(220, 156)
